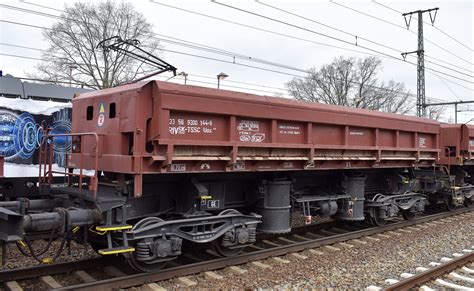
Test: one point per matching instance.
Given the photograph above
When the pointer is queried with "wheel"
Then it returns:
(225, 251)
(468, 202)
(378, 221)
(374, 219)
(139, 265)
(408, 215)
(142, 267)
(448, 203)
(217, 244)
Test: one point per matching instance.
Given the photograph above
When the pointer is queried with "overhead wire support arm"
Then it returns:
(420, 88)
(404, 55)
(450, 103)
(419, 12)
(455, 103)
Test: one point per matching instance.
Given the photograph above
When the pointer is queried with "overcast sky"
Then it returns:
(449, 43)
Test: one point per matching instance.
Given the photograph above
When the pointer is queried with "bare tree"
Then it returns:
(435, 112)
(73, 54)
(352, 82)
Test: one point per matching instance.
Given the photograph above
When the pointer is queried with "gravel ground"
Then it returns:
(15, 259)
(356, 267)
(297, 219)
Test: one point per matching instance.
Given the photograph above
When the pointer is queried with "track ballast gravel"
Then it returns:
(15, 259)
(356, 267)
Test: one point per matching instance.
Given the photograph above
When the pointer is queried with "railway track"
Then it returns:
(458, 269)
(43, 273)
(331, 238)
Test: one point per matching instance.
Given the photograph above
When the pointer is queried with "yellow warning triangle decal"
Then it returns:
(101, 109)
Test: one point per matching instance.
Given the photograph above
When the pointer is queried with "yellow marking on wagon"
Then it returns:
(116, 251)
(91, 229)
(113, 227)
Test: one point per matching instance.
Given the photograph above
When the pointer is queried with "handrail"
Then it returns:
(94, 178)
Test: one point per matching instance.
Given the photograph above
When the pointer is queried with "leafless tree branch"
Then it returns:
(73, 54)
(352, 82)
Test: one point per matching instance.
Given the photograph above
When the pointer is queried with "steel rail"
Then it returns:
(432, 273)
(57, 268)
(189, 269)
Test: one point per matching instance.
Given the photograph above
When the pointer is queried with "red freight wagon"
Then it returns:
(457, 142)
(158, 127)
(176, 163)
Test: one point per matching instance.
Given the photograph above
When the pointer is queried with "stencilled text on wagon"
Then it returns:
(182, 126)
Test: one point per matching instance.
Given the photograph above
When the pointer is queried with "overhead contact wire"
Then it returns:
(404, 28)
(335, 38)
(358, 37)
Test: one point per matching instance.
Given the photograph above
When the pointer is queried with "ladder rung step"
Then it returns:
(112, 227)
(118, 250)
